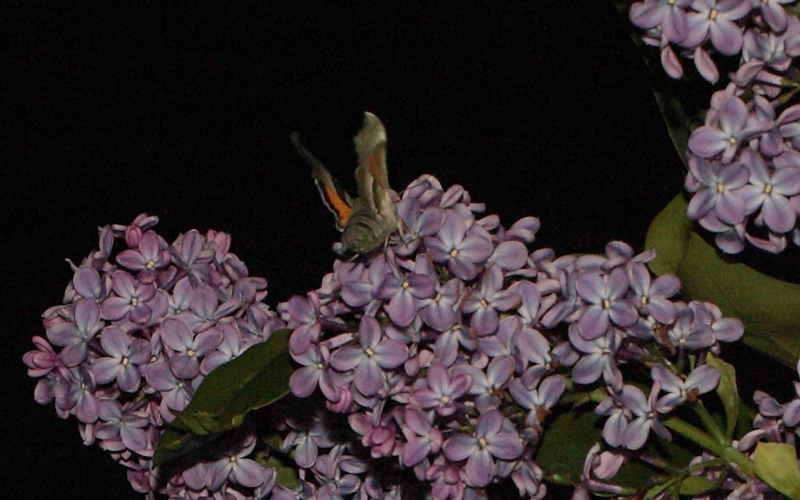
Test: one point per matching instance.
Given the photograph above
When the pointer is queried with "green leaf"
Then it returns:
(776, 465)
(768, 307)
(567, 440)
(669, 235)
(565, 443)
(257, 378)
(662, 490)
(287, 474)
(696, 485)
(677, 119)
(727, 391)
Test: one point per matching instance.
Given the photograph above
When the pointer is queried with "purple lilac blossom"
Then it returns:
(403, 293)
(114, 368)
(718, 190)
(441, 391)
(606, 296)
(774, 14)
(704, 379)
(75, 336)
(492, 439)
(131, 299)
(775, 423)
(187, 347)
(653, 296)
(669, 14)
(733, 128)
(770, 191)
(414, 386)
(741, 125)
(125, 355)
(645, 416)
(468, 353)
(459, 246)
(373, 355)
(423, 438)
(314, 372)
(237, 468)
(485, 302)
(123, 423)
(714, 20)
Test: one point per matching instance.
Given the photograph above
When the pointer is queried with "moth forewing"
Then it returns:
(372, 173)
(333, 196)
(371, 149)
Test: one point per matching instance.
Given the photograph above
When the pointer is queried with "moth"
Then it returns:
(367, 221)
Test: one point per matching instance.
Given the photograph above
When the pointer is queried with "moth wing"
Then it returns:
(333, 196)
(371, 174)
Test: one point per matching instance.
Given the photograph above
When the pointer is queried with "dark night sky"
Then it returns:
(537, 108)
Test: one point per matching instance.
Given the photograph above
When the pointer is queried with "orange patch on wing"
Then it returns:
(342, 209)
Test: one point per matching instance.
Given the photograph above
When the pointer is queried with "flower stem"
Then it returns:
(724, 451)
(709, 422)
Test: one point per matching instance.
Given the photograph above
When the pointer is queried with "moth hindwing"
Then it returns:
(368, 220)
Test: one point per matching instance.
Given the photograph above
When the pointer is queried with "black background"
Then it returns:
(536, 108)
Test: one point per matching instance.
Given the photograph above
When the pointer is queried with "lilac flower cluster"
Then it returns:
(744, 171)
(775, 423)
(698, 27)
(744, 164)
(443, 355)
(133, 340)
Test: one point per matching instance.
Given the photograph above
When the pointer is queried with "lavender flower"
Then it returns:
(770, 192)
(116, 326)
(307, 441)
(87, 284)
(484, 303)
(652, 296)
(538, 400)
(606, 296)
(124, 356)
(237, 469)
(599, 357)
(422, 437)
(402, 293)
(720, 190)
(774, 14)
(77, 394)
(150, 256)
(462, 248)
(670, 15)
(645, 416)
(701, 380)
(314, 372)
(486, 385)
(465, 344)
(75, 336)
(493, 438)
(187, 347)
(131, 299)
(714, 19)
(441, 311)
(175, 392)
(124, 424)
(442, 391)
(373, 355)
